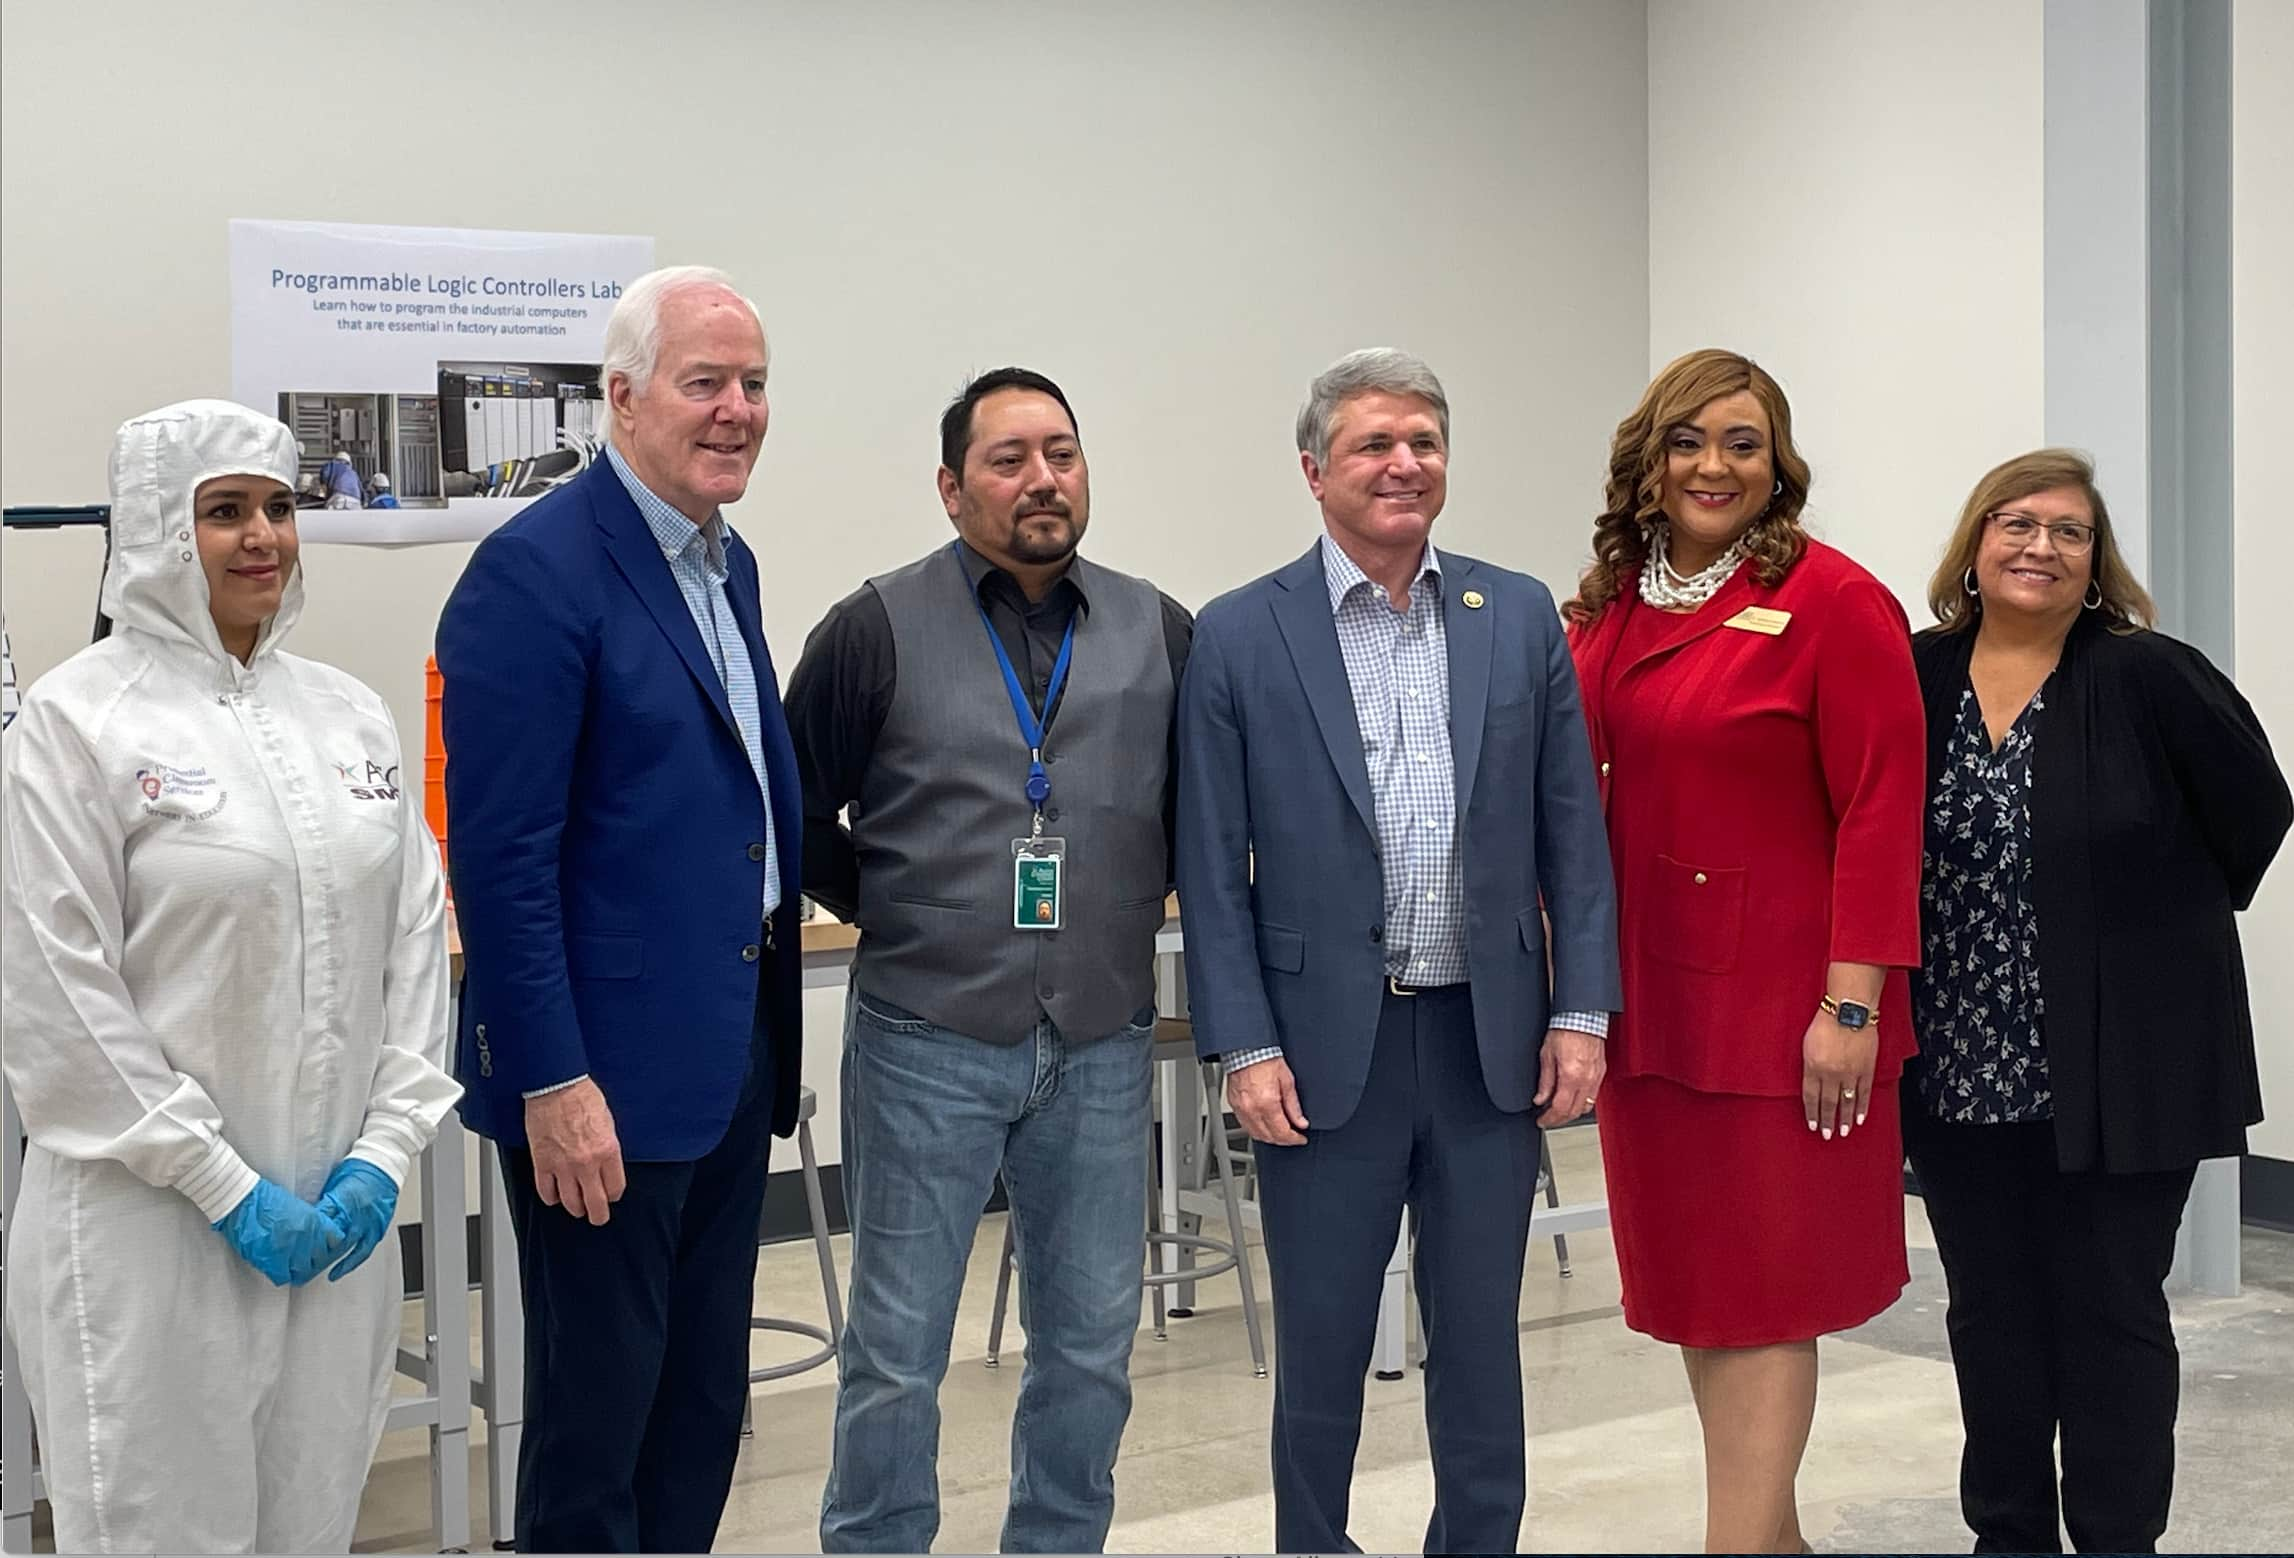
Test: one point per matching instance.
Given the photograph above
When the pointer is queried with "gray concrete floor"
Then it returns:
(1613, 1453)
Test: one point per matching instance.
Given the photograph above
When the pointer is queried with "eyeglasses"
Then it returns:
(2071, 538)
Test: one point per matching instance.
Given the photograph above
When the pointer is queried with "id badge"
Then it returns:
(1039, 883)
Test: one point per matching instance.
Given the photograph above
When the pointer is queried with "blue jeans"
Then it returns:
(930, 1118)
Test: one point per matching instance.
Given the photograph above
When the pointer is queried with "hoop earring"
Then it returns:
(1778, 490)
(2093, 599)
(1967, 583)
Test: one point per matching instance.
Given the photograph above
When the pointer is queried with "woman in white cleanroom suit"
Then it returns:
(225, 965)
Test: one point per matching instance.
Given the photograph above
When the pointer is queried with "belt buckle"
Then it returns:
(1396, 987)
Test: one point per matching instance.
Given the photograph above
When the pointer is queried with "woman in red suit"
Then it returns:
(1760, 740)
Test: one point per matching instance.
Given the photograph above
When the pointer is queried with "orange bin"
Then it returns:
(434, 759)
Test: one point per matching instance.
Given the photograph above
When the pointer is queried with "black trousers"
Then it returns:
(2058, 1326)
(1425, 1136)
(637, 1344)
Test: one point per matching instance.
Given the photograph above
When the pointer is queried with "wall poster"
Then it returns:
(438, 379)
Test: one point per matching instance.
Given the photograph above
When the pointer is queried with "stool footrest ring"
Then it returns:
(1189, 1241)
(793, 1328)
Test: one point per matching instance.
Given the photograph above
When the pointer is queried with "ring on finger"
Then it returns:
(1847, 1092)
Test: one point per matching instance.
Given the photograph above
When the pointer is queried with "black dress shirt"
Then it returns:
(841, 692)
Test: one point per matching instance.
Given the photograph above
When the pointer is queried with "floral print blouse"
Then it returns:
(1976, 997)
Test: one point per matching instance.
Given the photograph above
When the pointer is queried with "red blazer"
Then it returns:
(1763, 794)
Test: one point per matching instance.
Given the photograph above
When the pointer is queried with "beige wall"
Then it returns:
(1181, 211)
(1873, 234)
(2262, 344)
(1850, 192)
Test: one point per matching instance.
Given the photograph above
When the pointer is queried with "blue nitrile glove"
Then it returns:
(282, 1235)
(361, 1198)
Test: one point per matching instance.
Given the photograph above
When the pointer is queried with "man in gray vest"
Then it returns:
(998, 718)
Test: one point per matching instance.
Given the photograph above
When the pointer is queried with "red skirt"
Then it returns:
(1738, 1226)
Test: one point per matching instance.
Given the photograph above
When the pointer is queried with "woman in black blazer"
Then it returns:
(2101, 801)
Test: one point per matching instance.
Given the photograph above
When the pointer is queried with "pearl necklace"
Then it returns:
(1668, 590)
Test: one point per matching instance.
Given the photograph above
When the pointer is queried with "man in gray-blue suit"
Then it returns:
(1387, 815)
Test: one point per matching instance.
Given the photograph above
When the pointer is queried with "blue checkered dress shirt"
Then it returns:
(1398, 667)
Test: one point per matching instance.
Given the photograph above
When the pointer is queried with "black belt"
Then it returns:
(1396, 987)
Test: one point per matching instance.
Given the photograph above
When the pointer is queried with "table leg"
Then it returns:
(446, 1332)
(502, 1324)
(1391, 1355)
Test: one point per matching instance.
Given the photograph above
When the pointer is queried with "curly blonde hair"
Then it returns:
(1634, 500)
(2120, 597)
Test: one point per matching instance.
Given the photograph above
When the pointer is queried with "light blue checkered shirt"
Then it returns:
(696, 557)
(1398, 668)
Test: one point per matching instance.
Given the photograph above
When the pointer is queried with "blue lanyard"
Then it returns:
(1031, 727)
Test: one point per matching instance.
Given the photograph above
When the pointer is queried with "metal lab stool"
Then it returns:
(1548, 1186)
(1174, 1045)
(808, 1104)
(1235, 1143)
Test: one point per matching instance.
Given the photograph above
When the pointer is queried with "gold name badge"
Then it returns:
(1760, 619)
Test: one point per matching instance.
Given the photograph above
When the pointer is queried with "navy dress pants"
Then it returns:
(1427, 1138)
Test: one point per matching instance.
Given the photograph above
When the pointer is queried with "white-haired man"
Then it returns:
(624, 850)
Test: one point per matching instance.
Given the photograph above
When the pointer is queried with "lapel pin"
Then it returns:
(1473, 600)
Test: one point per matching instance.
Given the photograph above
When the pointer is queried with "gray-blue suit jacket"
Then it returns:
(1279, 878)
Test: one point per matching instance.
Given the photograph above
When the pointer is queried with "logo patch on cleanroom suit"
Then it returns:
(181, 794)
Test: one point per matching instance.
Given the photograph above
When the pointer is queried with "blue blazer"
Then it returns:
(605, 832)
(1279, 879)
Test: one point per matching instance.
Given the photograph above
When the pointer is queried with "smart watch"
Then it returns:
(1852, 1015)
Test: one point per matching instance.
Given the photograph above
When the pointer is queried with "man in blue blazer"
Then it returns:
(623, 830)
(1386, 798)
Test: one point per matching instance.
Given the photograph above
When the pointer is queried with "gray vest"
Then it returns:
(944, 798)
